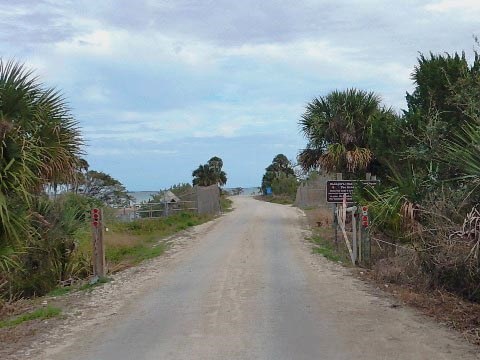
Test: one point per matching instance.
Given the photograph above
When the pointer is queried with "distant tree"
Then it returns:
(285, 184)
(280, 166)
(105, 188)
(210, 173)
(216, 163)
(181, 188)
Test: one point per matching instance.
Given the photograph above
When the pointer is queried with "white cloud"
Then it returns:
(146, 72)
(448, 5)
(113, 151)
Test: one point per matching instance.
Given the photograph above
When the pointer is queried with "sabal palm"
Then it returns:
(336, 127)
(40, 142)
(206, 175)
(203, 176)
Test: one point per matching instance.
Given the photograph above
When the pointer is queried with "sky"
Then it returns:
(159, 87)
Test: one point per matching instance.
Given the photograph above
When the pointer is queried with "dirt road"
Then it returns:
(249, 288)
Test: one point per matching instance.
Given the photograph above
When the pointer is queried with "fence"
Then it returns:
(206, 198)
(312, 193)
(156, 210)
(201, 200)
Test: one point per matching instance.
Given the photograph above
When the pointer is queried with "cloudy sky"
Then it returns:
(160, 86)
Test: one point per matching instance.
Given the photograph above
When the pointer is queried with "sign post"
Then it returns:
(340, 193)
(337, 188)
(98, 247)
(365, 235)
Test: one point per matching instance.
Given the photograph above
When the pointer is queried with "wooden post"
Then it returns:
(98, 245)
(365, 235)
(366, 245)
(354, 237)
(359, 236)
(343, 215)
(165, 203)
(335, 225)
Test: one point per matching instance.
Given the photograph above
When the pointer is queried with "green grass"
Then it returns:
(129, 243)
(39, 314)
(135, 254)
(226, 204)
(160, 227)
(324, 248)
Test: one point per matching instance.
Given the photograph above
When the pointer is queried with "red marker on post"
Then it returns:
(96, 217)
(364, 216)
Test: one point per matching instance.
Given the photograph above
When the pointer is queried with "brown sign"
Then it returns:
(337, 188)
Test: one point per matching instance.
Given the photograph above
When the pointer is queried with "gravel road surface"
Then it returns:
(248, 287)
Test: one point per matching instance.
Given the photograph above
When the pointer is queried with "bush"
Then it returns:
(49, 254)
(285, 185)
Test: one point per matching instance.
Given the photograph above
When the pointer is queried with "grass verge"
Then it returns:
(129, 243)
(78, 287)
(325, 248)
(323, 236)
(39, 314)
(226, 204)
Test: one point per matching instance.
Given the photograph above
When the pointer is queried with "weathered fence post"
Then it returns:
(365, 236)
(338, 176)
(98, 247)
(335, 224)
(165, 202)
(359, 236)
(354, 235)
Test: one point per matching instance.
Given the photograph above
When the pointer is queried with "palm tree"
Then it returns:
(40, 143)
(204, 175)
(210, 173)
(337, 127)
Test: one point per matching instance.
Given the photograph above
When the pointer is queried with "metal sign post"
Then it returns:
(98, 247)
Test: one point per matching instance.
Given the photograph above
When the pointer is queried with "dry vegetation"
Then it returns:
(397, 271)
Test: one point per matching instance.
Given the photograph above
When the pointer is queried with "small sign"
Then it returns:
(269, 191)
(337, 188)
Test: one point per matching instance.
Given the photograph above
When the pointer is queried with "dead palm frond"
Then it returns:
(358, 158)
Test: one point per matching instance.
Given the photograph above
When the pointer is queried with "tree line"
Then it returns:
(427, 159)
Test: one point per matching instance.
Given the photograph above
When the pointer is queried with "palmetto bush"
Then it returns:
(438, 218)
(40, 144)
(51, 253)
